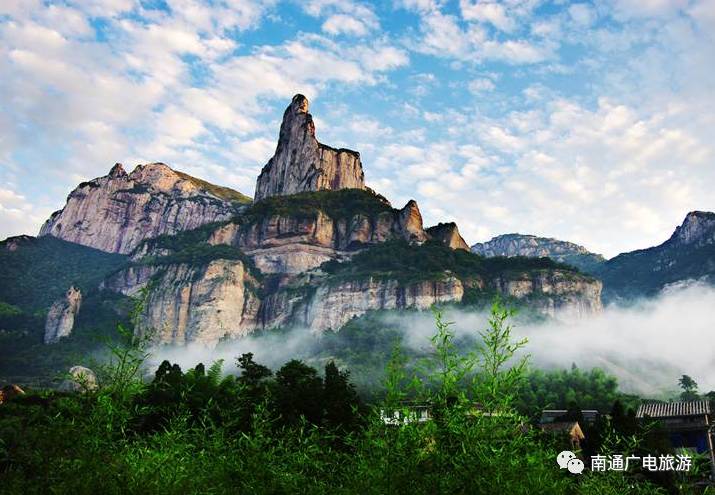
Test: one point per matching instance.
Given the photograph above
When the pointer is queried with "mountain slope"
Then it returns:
(689, 254)
(37, 271)
(536, 247)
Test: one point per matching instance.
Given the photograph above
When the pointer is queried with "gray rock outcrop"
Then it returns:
(116, 212)
(201, 303)
(80, 379)
(448, 234)
(300, 163)
(61, 316)
(531, 246)
(698, 229)
(285, 243)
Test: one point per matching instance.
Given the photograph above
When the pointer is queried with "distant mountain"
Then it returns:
(689, 254)
(531, 246)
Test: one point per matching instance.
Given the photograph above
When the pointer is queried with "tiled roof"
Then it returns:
(672, 409)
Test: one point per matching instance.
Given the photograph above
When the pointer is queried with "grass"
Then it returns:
(219, 191)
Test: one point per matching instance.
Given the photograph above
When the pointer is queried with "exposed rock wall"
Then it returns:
(61, 316)
(116, 212)
(448, 234)
(698, 229)
(334, 305)
(301, 163)
(554, 291)
(201, 303)
(294, 244)
(206, 303)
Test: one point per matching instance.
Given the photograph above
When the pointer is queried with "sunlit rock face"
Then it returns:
(302, 164)
(554, 292)
(61, 316)
(334, 305)
(116, 212)
(201, 304)
(294, 244)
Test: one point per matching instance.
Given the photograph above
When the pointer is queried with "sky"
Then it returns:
(592, 122)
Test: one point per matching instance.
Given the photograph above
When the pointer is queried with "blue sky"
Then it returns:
(587, 121)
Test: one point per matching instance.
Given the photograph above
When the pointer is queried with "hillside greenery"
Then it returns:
(180, 241)
(218, 191)
(645, 272)
(42, 269)
(25, 359)
(201, 254)
(432, 260)
(297, 430)
(339, 204)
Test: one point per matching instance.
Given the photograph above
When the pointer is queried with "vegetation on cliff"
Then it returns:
(219, 191)
(400, 260)
(41, 270)
(340, 204)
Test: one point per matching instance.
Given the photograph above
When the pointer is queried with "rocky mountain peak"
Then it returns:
(116, 212)
(299, 104)
(300, 163)
(117, 171)
(411, 222)
(448, 234)
(697, 229)
(532, 246)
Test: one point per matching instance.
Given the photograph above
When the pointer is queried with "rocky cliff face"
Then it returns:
(553, 292)
(448, 234)
(116, 212)
(221, 299)
(536, 247)
(190, 304)
(296, 242)
(301, 163)
(334, 305)
(200, 303)
(60, 318)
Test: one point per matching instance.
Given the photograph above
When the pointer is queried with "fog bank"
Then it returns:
(647, 345)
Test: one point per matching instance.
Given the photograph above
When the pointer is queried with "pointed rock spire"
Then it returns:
(117, 171)
(411, 222)
(301, 163)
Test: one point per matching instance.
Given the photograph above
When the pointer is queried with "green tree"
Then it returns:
(298, 393)
(689, 387)
(340, 401)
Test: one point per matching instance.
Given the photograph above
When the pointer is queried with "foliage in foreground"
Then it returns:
(292, 432)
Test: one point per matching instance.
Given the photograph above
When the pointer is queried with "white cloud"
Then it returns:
(481, 85)
(487, 11)
(344, 24)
